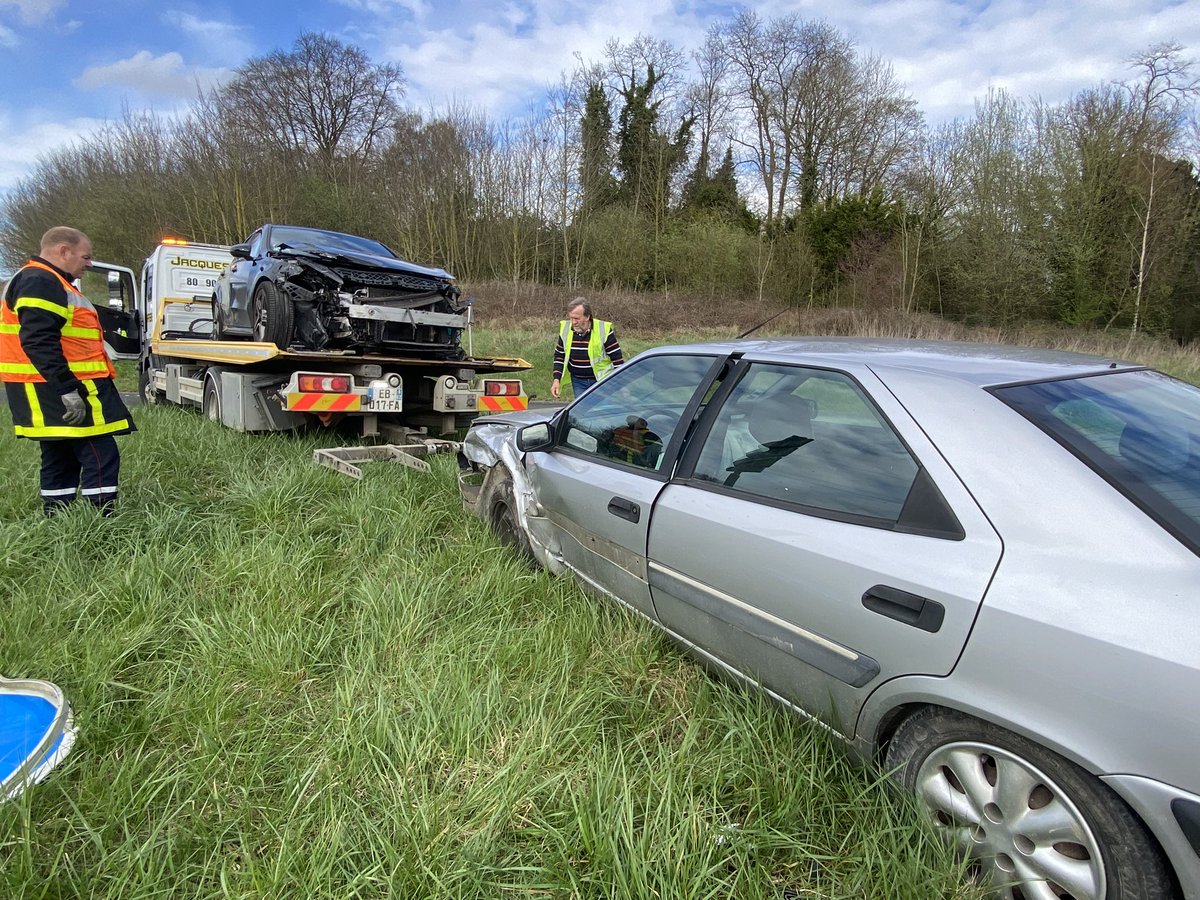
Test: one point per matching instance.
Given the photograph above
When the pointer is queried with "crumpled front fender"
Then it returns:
(490, 449)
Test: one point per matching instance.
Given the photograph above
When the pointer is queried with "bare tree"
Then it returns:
(879, 129)
(710, 103)
(323, 99)
(1167, 84)
(759, 60)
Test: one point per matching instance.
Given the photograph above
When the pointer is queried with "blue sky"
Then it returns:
(69, 65)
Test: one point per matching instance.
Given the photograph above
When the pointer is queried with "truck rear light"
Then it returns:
(324, 384)
(502, 388)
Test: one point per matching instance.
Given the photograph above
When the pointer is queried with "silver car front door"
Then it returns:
(808, 546)
(614, 448)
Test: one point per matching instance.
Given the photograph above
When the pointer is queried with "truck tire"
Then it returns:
(146, 390)
(272, 316)
(212, 401)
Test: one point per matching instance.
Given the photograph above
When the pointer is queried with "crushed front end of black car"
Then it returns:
(310, 289)
(340, 303)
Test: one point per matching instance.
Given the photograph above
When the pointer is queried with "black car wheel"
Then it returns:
(272, 316)
(1032, 824)
(218, 320)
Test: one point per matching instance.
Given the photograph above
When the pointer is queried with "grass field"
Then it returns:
(291, 684)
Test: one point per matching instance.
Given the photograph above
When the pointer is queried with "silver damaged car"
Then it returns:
(978, 565)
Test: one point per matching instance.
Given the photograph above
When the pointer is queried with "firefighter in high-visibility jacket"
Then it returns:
(58, 377)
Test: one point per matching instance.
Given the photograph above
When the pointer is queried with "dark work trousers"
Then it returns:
(88, 466)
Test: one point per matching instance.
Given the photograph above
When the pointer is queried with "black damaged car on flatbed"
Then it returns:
(311, 289)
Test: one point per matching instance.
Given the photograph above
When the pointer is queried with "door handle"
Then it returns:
(911, 609)
(626, 509)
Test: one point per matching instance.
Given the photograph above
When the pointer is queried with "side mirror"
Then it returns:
(535, 437)
(240, 251)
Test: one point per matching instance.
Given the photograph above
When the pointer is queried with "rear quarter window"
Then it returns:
(1139, 430)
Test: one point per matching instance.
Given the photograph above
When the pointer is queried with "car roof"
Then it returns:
(976, 364)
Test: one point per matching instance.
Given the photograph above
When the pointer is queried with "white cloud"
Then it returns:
(418, 9)
(25, 144)
(150, 75)
(949, 52)
(33, 12)
(8, 37)
(503, 57)
(212, 39)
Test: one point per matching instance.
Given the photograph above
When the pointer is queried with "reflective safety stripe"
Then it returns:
(94, 334)
(95, 367)
(98, 492)
(59, 492)
(503, 404)
(76, 331)
(37, 421)
(93, 399)
(298, 402)
(68, 431)
(38, 303)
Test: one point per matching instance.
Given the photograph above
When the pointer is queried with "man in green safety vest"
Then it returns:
(587, 349)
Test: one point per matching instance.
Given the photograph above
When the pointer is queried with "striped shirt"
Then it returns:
(580, 364)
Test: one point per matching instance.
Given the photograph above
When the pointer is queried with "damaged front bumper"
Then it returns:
(488, 459)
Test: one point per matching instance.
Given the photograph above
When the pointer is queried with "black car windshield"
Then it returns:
(330, 241)
(1138, 430)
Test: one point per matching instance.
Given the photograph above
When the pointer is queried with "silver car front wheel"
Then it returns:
(502, 515)
(1033, 825)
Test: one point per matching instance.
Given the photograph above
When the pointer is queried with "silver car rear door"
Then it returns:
(816, 542)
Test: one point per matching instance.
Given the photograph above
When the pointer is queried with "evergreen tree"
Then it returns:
(647, 158)
(596, 179)
(716, 194)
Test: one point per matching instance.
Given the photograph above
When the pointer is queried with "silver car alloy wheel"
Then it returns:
(1019, 828)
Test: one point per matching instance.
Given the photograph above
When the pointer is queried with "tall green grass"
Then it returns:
(291, 684)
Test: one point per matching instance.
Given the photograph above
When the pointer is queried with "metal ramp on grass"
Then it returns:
(347, 460)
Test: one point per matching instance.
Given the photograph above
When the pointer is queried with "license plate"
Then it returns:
(382, 397)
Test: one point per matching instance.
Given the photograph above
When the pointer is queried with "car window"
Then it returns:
(1140, 430)
(808, 437)
(255, 241)
(631, 416)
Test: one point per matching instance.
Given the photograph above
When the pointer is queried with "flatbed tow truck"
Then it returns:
(165, 321)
